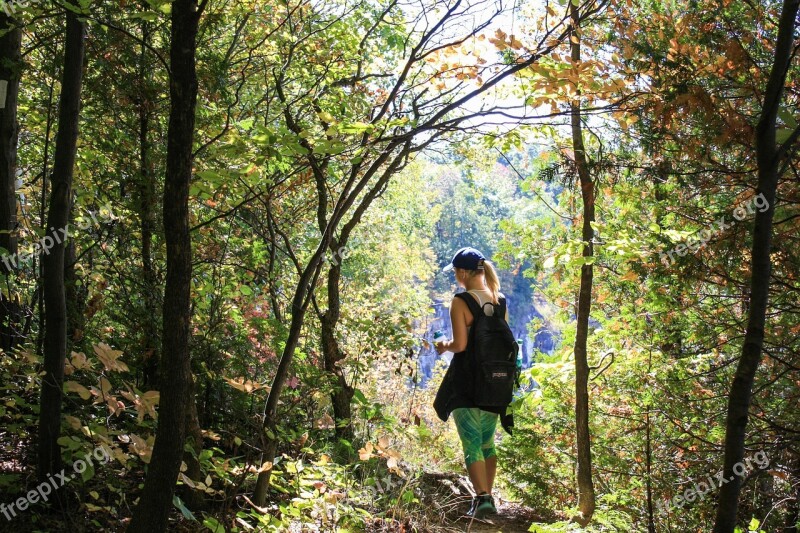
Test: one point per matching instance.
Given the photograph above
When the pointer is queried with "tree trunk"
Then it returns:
(651, 524)
(768, 158)
(152, 512)
(43, 216)
(586, 498)
(299, 307)
(55, 305)
(342, 392)
(793, 514)
(194, 498)
(75, 295)
(147, 206)
(10, 69)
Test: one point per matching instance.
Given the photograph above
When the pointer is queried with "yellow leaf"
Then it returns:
(326, 117)
(79, 361)
(245, 385)
(142, 448)
(73, 422)
(366, 452)
(149, 400)
(108, 356)
(325, 422)
(74, 386)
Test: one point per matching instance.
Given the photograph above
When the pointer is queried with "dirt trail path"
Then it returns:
(510, 518)
(450, 495)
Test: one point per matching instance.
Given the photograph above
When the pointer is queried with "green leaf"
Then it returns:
(211, 176)
(355, 127)
(177, 502)
(787, 117)
(782, 135)
(213, 525)
(246, 124)
(88, 474)
(69, 442)
(359, 397)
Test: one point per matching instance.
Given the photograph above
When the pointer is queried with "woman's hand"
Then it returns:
(441, 347)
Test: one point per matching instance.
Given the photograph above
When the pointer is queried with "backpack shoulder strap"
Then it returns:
(502, 306)
(474, 308)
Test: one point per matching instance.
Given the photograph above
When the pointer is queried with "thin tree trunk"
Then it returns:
(55, 305)
(586, 497)
(43, 219)
(10, 69)
(299, 307)
(651, 524)
(75, 297)
(768, 160)
(194, 498)
(793, 515)
(147, 206)
(342, 393)
(152, 512)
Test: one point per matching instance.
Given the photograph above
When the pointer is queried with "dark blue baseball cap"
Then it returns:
(466, 258)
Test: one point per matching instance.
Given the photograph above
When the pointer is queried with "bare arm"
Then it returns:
(459, 314)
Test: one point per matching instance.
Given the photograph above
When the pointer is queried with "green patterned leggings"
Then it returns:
(476, 429)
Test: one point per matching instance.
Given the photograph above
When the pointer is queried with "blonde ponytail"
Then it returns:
(491, 281)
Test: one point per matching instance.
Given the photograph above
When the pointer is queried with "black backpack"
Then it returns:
(492, 353)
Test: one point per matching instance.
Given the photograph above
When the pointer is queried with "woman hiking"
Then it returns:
(476, 424)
